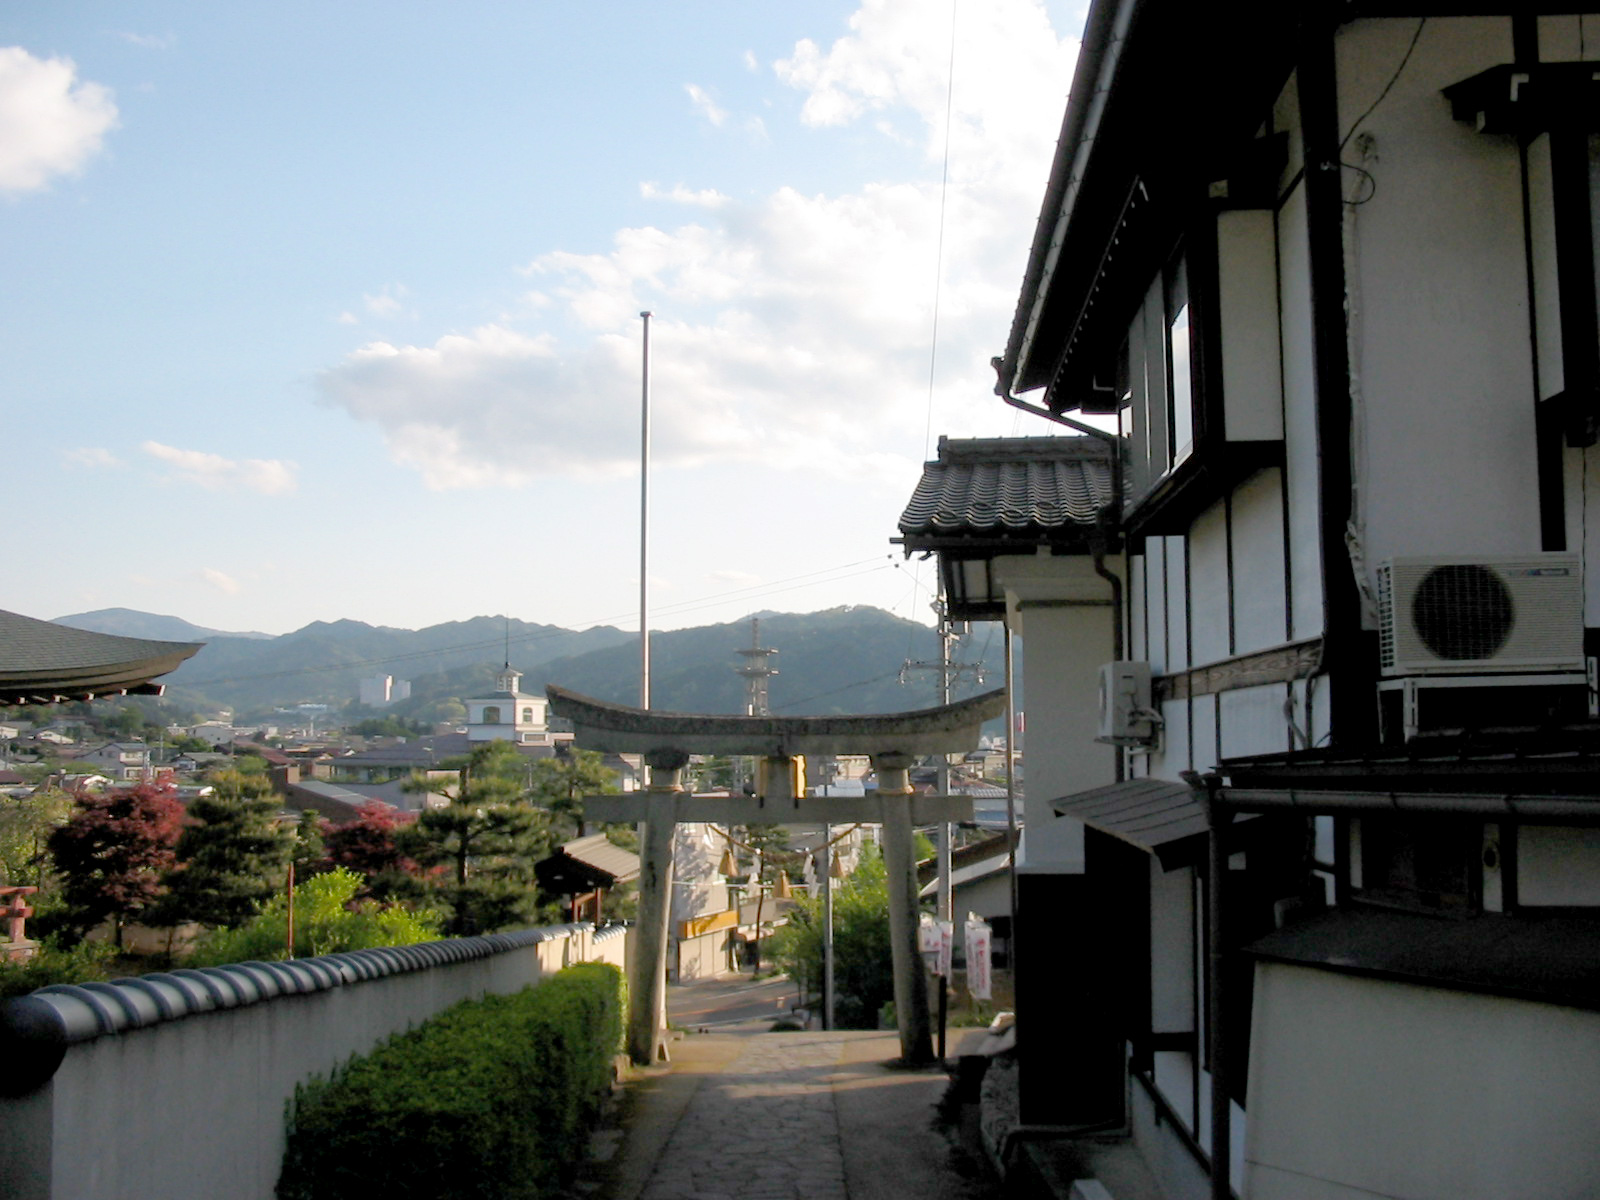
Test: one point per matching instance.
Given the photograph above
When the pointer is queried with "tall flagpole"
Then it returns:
(644, 522)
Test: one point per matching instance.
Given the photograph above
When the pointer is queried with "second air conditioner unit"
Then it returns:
(1481, 615)
(1126, 715)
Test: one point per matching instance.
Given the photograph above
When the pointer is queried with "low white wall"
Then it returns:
(1367, 1088)
(704, 957)
(194, 1106)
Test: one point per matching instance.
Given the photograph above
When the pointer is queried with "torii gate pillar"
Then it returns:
(900, 865)
(647, 1012)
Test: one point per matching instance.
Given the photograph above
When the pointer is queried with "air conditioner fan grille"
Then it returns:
(1463, 612)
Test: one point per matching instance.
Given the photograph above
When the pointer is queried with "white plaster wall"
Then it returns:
(1063, 649)
(1203, 732)
(1252, 720)
(194, 1108)
(1259, 586)
(1364, 1088)
(1439, 300)
(1558, 865)
(1177, 565)
(1299, 417)
(1252, 372)
(1172, 978)
(1155, 604)
(1208, 584)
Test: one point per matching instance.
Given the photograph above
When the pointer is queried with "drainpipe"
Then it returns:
(1108, 521)
(1218, 818)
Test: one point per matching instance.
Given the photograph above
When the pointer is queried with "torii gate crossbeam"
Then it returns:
(666, 740)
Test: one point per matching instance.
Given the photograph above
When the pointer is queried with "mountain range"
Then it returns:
(840, 660)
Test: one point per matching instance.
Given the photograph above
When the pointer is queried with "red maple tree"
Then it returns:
(367, 844)
(113, 851)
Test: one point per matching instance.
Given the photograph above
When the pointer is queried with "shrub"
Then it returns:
(327, 918)
(85, 962)
(490, 1100)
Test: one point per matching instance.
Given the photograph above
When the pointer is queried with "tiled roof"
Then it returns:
(1030, 489)
(42, 662)
(585, 864)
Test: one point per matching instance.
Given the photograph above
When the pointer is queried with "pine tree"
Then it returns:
(232, 855)
(483, 842)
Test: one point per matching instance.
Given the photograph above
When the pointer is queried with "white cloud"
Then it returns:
(790, 328)
(148, 41)
(51, 124)
(269, 476)
(348, 318)
(705, 198)
(705, 105)
(386, 303)
(751, 63)
(91, 457)
(219, 580)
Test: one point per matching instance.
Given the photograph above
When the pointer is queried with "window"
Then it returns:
(527, 716)
(1156, 380)
(491, 714)
(1180, 376)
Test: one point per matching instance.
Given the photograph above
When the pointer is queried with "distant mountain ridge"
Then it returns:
(128, 622)
(839, 660)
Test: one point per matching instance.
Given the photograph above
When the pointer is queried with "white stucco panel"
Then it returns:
(1362, 1087)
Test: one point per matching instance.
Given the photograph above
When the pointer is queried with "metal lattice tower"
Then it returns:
(757, 669)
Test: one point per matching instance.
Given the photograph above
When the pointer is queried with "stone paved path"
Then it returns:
(743, 1114)
(764, 1128)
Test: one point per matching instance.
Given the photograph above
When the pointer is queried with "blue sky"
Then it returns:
(321, 311)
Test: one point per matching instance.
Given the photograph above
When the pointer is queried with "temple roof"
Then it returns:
(45, 663)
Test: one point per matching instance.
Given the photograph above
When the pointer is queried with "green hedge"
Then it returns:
(490, 1100)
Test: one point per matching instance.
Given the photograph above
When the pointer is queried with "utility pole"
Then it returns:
(948, 632)
(756, 671)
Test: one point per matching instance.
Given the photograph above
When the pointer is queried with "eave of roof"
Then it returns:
(1548, 959)
(1563, 761)
(1122, 147)
(42, 662)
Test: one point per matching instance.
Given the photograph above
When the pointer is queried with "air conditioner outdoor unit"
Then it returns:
(1475, 616)
(1126, 716)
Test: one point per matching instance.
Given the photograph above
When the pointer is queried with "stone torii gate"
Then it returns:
(667, 739)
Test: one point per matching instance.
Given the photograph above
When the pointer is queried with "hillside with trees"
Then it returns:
(845, 659)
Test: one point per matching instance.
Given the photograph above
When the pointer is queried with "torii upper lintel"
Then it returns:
(621, 729)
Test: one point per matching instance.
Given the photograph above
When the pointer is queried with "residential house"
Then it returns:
(124, 761)
(1331, 879)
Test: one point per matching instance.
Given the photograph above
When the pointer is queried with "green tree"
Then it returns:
(482, 843)
(232, 855)
(559, 784)
(769, 850)
(26, 823)
(310, 852)
(862, 950)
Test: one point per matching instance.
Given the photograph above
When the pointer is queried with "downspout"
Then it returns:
(1108, 521)
(1218, 818)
